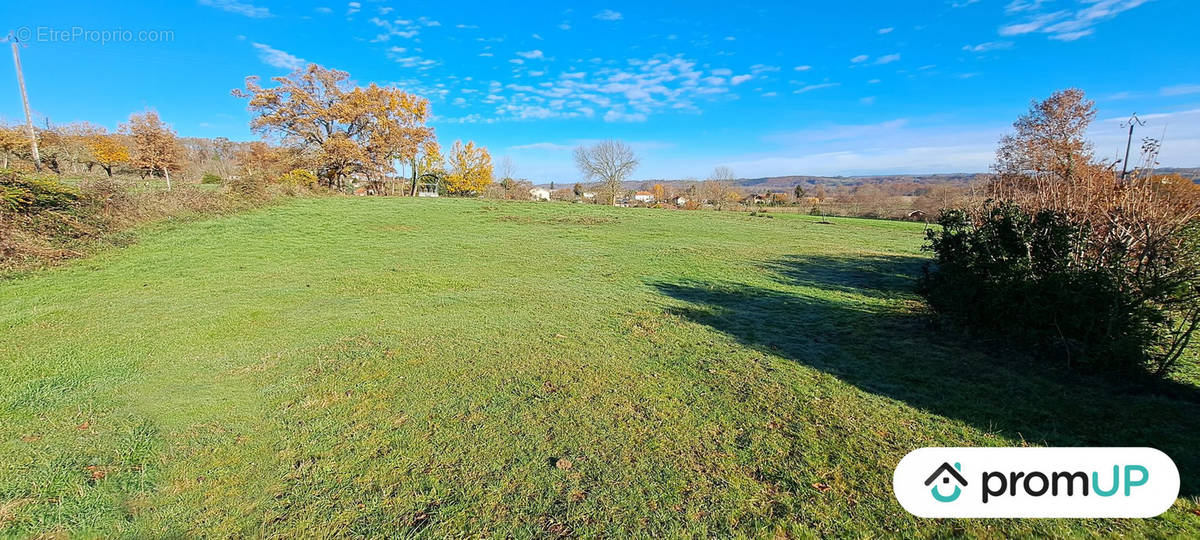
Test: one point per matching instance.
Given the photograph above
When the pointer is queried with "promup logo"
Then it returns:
(1036, 482)
(946, 473)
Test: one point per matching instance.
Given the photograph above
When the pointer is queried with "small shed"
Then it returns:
(541, 194)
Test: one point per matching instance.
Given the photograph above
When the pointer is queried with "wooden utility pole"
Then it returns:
(1133, 121)
(37, 159)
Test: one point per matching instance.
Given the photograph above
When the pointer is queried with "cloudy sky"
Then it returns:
(858, 87)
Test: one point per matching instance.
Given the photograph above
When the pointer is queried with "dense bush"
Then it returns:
(21, 194)
(1045, 280)
(210, 178)
(299, 178)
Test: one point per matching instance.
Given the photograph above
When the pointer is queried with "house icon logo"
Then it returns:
(946, 473)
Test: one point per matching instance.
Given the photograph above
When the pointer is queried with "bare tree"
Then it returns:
(719, 185)
(505, 168)
(609, 162)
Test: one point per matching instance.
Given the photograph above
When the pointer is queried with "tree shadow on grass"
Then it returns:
(826, 313)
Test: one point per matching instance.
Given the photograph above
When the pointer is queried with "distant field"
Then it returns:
(351, 366)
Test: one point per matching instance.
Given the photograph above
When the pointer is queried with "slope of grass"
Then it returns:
(360, 366)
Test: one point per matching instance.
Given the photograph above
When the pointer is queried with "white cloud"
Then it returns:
(762, 68)
(869, 100)
(860, 59)
(241, 8)
(1017, 6)
(887, 30)
(739, 79)
(466, 26)
(353, 7)
(564, 26)
(1180, 90)
(621, 116)
(988, 46)
(1065, 24)
(277, 58)
(403, 28)
(608, 15)
(517, 61)
(812, 87)
(625, 92)
(536, 36)
(802, 68)
(531, 55)
(723, 72)
(887, 58)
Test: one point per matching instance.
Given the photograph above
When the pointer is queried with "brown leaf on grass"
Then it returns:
(1196, 511)
(563, 464)
(577, 495)
(821, 486)
(85, 425)
(97, 472)
(560, 336)
(31, 438)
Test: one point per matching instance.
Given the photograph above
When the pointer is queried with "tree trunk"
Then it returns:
(167, 173)
(108, 169)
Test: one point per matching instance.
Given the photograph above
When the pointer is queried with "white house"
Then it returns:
(540, 193)
(681, 200)
(643, 196)
(589, 195)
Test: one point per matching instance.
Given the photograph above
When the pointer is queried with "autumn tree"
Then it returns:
(428, 160)
(155, 148)
(1050, 138)
(107, 151)
(470, 168)
(350, 129)
(660, 192)
(262, 160)
(609, 162)
(13, 141)
(73, 142)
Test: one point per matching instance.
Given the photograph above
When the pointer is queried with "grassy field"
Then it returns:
(358, 366)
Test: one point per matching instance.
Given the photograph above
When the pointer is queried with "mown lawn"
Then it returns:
(370, 366)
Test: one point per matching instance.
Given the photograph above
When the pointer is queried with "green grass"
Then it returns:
(369, 366)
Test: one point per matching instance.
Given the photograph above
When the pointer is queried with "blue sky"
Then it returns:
(857, 87)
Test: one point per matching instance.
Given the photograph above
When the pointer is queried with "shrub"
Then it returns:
(210, 178)
(298, 178)
(1048, 280)
(21, 194)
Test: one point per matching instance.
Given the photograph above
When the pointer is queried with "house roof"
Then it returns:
(643, 193)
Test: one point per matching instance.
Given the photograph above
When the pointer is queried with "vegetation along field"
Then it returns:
(348, 366)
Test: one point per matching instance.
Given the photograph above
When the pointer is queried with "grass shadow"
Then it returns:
(890, 349)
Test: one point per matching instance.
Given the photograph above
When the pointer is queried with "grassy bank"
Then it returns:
(356, 366)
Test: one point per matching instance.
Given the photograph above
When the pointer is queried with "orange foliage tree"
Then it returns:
(470, 168)
(155, 147)
(107, 151)
(349, 129)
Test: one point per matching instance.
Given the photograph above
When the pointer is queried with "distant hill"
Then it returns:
(788, 183)
(1191, 173)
